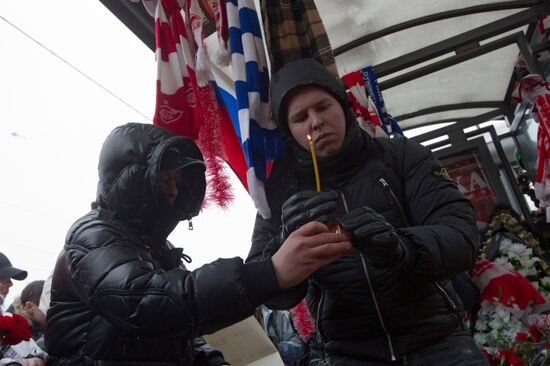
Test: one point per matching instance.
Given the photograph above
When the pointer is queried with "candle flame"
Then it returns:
(309, 137)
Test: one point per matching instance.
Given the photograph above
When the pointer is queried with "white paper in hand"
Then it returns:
(245, 343)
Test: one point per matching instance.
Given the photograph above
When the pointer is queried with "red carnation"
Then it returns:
(535, 334)
(492, 359)
(510, 357)
(14, 329)
(521, 336)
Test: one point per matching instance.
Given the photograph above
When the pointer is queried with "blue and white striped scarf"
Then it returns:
(261, 142)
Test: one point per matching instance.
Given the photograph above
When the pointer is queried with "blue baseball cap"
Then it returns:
(8, 271)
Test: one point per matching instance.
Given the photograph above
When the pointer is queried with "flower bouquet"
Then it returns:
(14, 329)
(531, 348)
(511, 326)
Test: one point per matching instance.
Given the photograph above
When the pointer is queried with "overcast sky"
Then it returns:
(53, 121)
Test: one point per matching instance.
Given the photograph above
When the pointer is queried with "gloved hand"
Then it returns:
(373, 234)
(304, 207)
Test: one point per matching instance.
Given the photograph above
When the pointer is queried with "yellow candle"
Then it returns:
(315, 167)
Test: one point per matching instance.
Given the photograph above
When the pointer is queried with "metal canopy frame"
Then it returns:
(503, 107)
(136, 18)
(506, 5)
(450, 107)
(464, 121)
(472, 37)
(465, 46)
(475, 51)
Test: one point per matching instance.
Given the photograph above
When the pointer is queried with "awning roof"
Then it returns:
(476, 85)
(437, 61)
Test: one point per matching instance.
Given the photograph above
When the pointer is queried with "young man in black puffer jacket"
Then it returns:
(389, 301)
(120, 294)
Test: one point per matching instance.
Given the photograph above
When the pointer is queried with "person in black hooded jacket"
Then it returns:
(390, 301)
(120, 295)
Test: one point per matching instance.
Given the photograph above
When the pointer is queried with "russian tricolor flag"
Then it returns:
(246, 100)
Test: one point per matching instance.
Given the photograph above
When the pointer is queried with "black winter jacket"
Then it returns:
(119, 293)
(365, 312)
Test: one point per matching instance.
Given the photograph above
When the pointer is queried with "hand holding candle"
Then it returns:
(334, 225)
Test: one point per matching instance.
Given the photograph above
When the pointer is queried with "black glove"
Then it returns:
(372, 233)
(304, 207)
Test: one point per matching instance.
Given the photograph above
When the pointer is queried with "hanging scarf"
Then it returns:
(183, 106)
(223, 56)
(176, 107)
(362, 105)
(389, 124)
(294, 30)
(220, 18)
(195, 18)
(536, 91)
(498, 283)
(257, 133)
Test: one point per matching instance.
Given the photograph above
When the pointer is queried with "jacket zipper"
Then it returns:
(374, 300)
(446, 296)
(439, 288)
(388, 189)
(319, 308)
(382, 324)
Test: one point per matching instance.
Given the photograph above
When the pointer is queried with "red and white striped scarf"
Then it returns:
(536, 91)
(186, 102)
(362, 106)
(498, 283)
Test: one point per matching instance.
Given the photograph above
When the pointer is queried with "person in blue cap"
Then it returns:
(7, 273)
(26, 353)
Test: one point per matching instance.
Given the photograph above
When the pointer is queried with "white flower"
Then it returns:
(529, 263)
(501, 261)
(481, 338)
(516, 248)
(502, 313)
(481, 324)
(496, 324)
